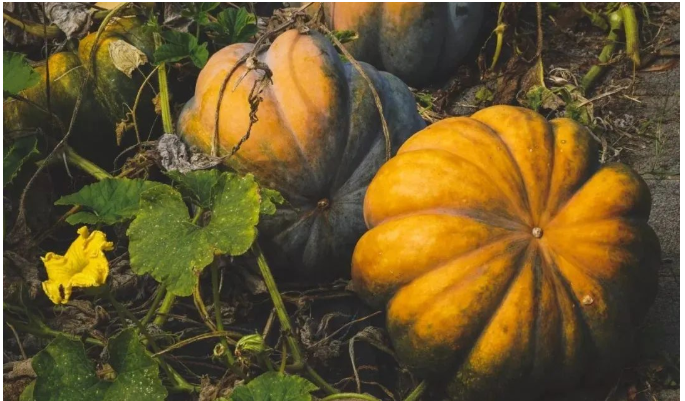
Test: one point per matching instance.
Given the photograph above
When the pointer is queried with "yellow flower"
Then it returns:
(84, 265)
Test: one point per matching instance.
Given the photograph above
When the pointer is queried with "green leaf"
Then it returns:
(199, 12)
(233, 26)
(199, 186)
(64, 372)
(484, 95)
(109, 201)
(17, 74)
(16, 155)
(345, 36)
(270, 197)
(164, 242)
(137, 373)
(27, 394)
(181, 45)
(273, 386)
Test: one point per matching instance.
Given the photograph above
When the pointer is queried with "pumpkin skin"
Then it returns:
(418, 42)
(113, 89)
(318, 141)
(511, 264)
(66, 78)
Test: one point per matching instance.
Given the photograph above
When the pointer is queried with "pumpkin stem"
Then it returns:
(537, 232)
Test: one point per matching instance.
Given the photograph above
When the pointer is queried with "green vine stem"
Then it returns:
(164, 309)
(161, 292)
(350, 397)
(298, 362)
(499, 34)
(416, 394)
(214, 268)
(632, 33)
(39, 329)
(615, 23)
(163, 91)
(84, 164)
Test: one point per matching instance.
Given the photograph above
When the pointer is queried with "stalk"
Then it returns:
(616, 23)
(163, 91)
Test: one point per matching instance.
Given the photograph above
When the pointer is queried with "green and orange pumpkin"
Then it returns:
(511, 263)
(318, 140)
(418, 42)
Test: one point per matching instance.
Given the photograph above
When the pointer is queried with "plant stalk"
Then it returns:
(164, 309)
(616, 23)
(161, 292)
(84, 164)
(418, 391)
(214, 267)
(163, 91)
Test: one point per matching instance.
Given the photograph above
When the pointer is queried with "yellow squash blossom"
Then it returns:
(84, 265)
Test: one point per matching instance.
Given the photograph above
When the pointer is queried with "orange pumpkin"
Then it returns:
(318, 140)
(508, 258)
(418, 42)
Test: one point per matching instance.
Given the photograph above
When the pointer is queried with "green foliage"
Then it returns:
(179, 46)
(17, 74)
(15, 155)
(484, 95)
(199, 12)
(233, 26)
(198, 186)
(109, 201)
(64, 372)
(273, 386)
(424, 99)
(344, 36)
(270, 198)
(166, 243)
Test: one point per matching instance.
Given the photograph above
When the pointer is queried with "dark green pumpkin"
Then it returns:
(318, 141)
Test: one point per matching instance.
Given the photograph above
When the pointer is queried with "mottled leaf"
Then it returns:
(199, 186)
(273, 386)
(167, 244)
(64, 372)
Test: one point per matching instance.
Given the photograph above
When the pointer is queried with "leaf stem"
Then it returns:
(214, 267)
(161, 291)
(286, 326)
(417, 392)
(163, 91)
(164, 309)
(281, 312)
(616, 23)
(84, 164)
(350, 397)
(632, 33)
(44, 331)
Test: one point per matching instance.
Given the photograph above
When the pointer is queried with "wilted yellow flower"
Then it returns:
(84, 265)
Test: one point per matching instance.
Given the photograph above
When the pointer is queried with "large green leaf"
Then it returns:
(199, 186)
(15, 155)
(64, 372)
(109, 201)
(17, 74)
(164, 242)
(180, 45)
(273, 386)
(233, 26)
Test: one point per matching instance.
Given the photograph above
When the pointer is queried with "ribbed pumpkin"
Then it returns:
(509, 260)
(66, 79)
(318, 141)
(418, 42)
(113, 89)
